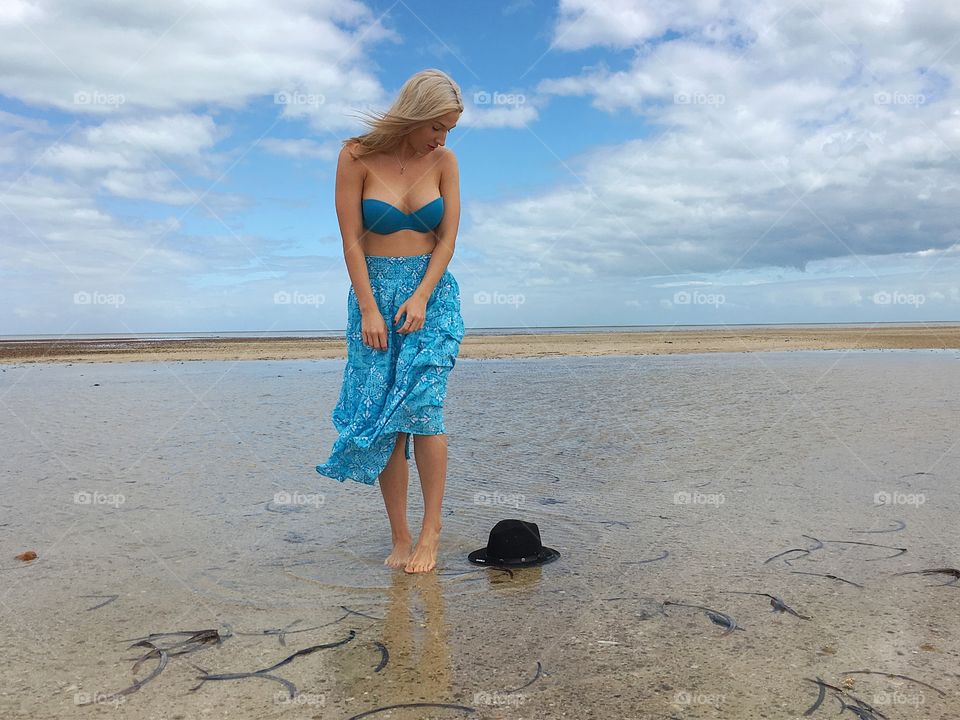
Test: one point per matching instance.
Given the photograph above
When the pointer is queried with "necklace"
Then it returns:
(400, 163)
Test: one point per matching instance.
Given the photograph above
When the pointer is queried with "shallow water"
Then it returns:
(658, 478)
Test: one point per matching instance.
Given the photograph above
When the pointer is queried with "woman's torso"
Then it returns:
(415, 188)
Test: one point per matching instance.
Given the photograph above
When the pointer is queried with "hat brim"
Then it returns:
(545, 555)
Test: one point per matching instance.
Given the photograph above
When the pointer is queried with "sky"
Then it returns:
(169, 166)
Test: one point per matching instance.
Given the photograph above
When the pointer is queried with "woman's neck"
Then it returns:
(405, 153)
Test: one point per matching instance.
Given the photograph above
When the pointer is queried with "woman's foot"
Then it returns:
(424, 557)
(402, 550)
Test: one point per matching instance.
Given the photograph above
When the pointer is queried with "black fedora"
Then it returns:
(515, 543)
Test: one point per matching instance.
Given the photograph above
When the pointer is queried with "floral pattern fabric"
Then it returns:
(402, 388)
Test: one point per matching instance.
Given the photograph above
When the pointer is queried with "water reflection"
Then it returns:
(416, 637)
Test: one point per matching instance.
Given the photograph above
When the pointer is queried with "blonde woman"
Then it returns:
(398, 205)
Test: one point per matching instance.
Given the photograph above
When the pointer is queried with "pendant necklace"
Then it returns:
(400, 163)
(398, 160)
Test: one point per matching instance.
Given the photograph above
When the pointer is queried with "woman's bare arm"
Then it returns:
(349, 191)
(449, 225)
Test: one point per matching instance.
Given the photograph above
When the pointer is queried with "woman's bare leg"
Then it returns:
(430, 452)
(393, 484)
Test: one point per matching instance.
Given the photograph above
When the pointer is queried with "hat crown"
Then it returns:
(514, 539)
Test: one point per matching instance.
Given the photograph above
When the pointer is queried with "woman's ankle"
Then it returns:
(401, 537)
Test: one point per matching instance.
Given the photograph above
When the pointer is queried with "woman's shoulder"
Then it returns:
(448, 156)
(448, 162)
(350, 149)
(353, 161)
(353, 150)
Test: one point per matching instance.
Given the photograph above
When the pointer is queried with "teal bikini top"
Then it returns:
(383, 218)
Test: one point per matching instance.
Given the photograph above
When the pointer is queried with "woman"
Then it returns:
(398, 204)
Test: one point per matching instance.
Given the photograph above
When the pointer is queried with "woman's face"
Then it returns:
(431, 135)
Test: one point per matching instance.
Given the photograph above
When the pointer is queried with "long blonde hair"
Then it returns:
(425, 95)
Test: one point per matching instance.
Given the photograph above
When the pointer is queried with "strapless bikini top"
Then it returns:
(383, 218)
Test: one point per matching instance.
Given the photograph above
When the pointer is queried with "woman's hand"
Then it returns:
(416, 309)
(374, 330)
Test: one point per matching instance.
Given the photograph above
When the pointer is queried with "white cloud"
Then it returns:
(126, 57)
(157, 185)
(149, 90)
(172, 135)
(132, 158)
(499, 116)
(624, 23)
(766, 145)
(301, 148)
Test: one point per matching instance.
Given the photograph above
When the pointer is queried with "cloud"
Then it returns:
(619, 23)
(768, 136)
(142, 106)
(107, 58)
(301, 148)
(161, 186)
(134, 142)
(499, 116)
(135, 158)
(496, 108)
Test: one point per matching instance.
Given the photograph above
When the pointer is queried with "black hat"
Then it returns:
(515, 543)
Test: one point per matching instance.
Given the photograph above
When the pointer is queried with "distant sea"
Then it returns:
(470, 331)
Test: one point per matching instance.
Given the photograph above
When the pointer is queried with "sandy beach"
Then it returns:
(652, 342)
(182, 498)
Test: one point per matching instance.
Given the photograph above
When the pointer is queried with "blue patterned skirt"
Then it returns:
(402, 388)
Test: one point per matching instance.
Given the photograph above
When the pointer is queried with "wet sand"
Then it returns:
(657, 478)
(651, 342)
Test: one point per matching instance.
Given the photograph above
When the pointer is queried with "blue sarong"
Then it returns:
(402, 388)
